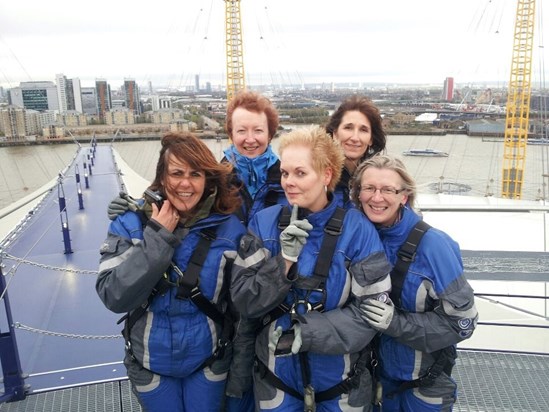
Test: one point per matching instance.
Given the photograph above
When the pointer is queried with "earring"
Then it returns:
(325, 188)
(370, 150)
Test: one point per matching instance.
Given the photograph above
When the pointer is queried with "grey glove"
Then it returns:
(378, 314)
(294, 237)
(120, 204)
(274, 340)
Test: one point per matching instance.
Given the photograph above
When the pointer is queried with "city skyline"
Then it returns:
(392, 42)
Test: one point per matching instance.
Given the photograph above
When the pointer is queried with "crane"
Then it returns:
(518, 101)
(234, 48)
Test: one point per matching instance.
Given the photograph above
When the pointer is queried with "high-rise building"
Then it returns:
(89, 100)
(77, 96)
(38, 96)
(103, 94)
(448, 89)
(132, 99)
(197, 83)
(61, 82)
(68, 93)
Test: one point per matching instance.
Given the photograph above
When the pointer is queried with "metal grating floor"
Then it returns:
(487, 382)
(105, 397)
(495, 381)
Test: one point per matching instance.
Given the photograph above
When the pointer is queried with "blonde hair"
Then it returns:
(326, 153)
(384, 161)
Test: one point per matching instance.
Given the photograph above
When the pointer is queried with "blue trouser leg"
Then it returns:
(439, 397)
(193, 393)
(244, 404)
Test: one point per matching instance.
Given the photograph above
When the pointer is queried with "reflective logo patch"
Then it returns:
(382, 297)
(465, 333)
(465, 323)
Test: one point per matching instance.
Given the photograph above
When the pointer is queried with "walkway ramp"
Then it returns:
(65, 335)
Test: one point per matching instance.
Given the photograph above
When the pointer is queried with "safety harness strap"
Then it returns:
(352, 381)
(188, 288)
(444, 358)
(445, 361)
(405, 256)
(331, 234)
(273, 177)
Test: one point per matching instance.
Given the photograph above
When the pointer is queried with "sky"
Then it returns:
(285, 41)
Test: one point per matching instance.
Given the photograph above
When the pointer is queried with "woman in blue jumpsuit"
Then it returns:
(320, 340)
(437, 303)
(251, 124)
(173, 358)
(357, 125)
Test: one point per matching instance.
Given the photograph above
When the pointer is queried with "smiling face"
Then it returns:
(302, 184)
(355, 134)
(250, 133)
(183, 185)
(381, 209)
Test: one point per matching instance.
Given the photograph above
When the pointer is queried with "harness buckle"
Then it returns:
(301, 303)
(334, 231)
(406, 256)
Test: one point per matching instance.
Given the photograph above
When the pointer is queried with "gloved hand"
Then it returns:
(297, 341)
(294, 237)
(377, 314)
(120, 204)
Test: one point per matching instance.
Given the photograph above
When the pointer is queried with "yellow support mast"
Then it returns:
(518, 101)
(234, 48)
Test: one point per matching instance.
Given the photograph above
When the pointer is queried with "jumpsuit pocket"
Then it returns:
(110, 246)
(442, 392)
(361, 396)
(221, 365)
(143, 380)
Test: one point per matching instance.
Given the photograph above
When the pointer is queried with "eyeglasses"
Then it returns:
(385, 190)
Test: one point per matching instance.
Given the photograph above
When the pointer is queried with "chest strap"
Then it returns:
(332, 231)
(405, 256)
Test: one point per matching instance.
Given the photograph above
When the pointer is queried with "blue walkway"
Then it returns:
(64, 333)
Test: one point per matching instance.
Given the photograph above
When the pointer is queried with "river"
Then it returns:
(472, 163)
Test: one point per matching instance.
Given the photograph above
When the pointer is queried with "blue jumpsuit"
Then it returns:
(438, 311)
(259, 183)
(332, 339)
(170, 342)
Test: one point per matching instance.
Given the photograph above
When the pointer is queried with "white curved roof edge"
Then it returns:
(445, 202)
(135, 183)
(489, 223)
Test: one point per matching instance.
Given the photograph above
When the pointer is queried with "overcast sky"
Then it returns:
(298, 41)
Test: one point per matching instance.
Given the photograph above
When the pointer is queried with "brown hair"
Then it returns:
(189, 148)
(367, 108)
(383, 161)
(253, 102)
(326, 152)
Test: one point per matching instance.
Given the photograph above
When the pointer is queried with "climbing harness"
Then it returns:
(313, 285)
(187, 285)
(444, 358)
(405, 256)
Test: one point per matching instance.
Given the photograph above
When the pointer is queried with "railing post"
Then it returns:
(63, 214)
(15, 388)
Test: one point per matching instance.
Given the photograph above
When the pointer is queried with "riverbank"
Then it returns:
(202, 135)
